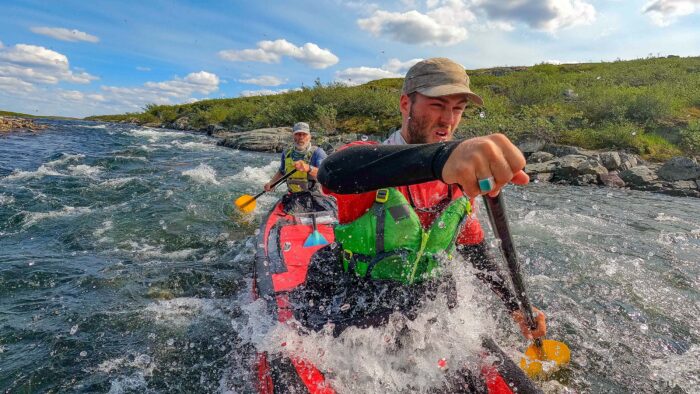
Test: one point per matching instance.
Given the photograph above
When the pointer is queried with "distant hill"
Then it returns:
(647, 106)
(20, 115)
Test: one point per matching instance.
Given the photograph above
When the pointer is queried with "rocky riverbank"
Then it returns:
(8, 123)
(570, 165)
(552, 163)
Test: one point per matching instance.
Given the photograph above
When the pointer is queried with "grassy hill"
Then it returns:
(21, 115)
(648, 106)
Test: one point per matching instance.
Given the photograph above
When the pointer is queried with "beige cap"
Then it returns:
(439, 76)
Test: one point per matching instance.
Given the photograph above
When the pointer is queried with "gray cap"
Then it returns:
(439, 76)
(301, 127)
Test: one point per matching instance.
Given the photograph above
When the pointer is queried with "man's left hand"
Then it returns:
(540, 319)
(301, 166)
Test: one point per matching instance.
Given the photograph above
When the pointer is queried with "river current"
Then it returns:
(124, 268)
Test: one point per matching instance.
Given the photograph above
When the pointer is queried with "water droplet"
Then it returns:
(345, 307)
(74, 329)
(442, 224)
(83, 353)
(287, 246)
(171, 342)
(482, 114)
(650, 254)
(257, 231)
(364, 137)
(644, 327)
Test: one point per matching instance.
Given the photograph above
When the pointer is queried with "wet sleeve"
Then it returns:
(318, 157)
(362, 168)
(489, 273)
(282, 163)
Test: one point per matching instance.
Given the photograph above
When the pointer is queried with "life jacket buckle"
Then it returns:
(382, 196)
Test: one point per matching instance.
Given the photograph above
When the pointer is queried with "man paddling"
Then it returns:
(305, 158)
(402, 206)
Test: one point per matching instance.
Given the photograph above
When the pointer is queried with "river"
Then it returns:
(123, 268)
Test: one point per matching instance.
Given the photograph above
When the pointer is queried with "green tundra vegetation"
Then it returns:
(647, 106)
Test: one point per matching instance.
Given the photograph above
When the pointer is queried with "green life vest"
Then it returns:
(389, 242)
(299, 181)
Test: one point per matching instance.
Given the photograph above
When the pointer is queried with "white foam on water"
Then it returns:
(401, 356)
(101, 126)
(32, 218)
(138, 360)
(194, 145)
(117, 182)
(66, 158)
(42, 171)
(146, 251)
(137, 158)
(180, 312)
(153, 134)
(203, 173)
(106, 226)
(681, 370)
(135, 383)
(256, 175)
(84, 170)
(6, 200)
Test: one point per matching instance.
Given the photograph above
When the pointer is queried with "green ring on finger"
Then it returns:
(486, 185)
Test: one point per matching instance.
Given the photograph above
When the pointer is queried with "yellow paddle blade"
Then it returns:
(539, 363)
(245, 203)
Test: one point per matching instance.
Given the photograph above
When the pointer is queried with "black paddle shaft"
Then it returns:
(495, 207)
(274, 185)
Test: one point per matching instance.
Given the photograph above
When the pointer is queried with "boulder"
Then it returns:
(182, 123)
(274, 139)
(573, 166)
(541, 177)
(538, 168)
(610, 160)
(612, 179)
(530, 145)
(627, 161)
(214, 129)
(540, 157)
(638, 176)
(690, 185)
(585, 179)
(561, 150)
(679, 169)
(8, 123)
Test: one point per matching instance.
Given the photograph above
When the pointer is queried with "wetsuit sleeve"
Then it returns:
(318, 157)
(362, 168)
(489, 273)
(282, 162)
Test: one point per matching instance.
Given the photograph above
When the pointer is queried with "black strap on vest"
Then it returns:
(438, 207)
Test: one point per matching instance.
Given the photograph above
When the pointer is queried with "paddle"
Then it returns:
(246, 203)
(315, 238)
(547, 351)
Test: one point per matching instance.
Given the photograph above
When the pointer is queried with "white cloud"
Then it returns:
(200, 82)
(394, 68)
(35, 64)
(397, 66)
(273, 51)
(264, 80)
(141, 68)
(545, 15)
(413, 27)
(63, 34)
(10, 84)
(666, 12)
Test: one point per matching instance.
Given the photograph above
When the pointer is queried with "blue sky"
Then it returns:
(78, 58)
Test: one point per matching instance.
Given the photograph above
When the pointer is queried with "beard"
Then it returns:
(420, 129)
(302, 146)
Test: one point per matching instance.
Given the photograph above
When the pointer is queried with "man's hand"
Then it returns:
(301, 166)
(540, 319)
(267, 187)
(483, 157)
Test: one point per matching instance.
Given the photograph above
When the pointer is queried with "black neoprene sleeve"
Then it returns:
(363, 168)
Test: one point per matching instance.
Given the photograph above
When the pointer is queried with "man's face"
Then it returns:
(301, 140)
(434, 119)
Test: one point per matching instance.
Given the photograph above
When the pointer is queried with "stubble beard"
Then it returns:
(416, 129)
